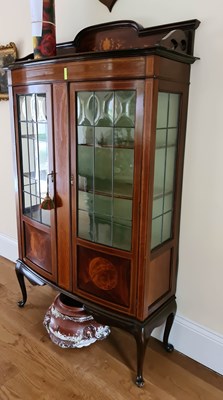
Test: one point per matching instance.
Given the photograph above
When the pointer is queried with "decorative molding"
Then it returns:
(108, 3)
(8, 247)
(196, 341)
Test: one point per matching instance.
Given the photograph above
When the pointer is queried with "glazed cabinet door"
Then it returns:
(105, 154)
(162, 194)
(36, 179)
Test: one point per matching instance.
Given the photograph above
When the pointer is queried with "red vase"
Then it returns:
(43, 27)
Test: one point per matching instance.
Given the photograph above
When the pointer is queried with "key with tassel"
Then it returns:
(48, 202)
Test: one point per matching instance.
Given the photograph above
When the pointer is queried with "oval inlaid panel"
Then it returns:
(105, 276)
(103, 273)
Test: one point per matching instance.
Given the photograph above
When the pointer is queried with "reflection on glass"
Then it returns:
(123, 171)
(85, 201)
(122, 234)
(85, 225)
(124, 137)
(22, 108)
(85, 160)
(33, 131)
(103, 170)
(103, 205)
(85, 135)
(105, 134)
(164, 169)
(41, 107)
(103, 229)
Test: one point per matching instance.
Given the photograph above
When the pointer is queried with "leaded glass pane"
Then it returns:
(105, 108)
(103, 136)
(85, 108)
(103, 170)
(105, 154)
(124, 137)
(85, 135)
(85, 225)
(41, 107)
(103, 205)
(122, 208)
(162, 112)
(85, 167)
(173, 110)
(156, 231)
(85, 201)
(167, 221)
(122, 234)
(102, 229)
(123, 171)
(164, 169)
(159, 171)
(33, 130)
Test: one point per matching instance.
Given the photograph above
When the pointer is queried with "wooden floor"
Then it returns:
(32, 367)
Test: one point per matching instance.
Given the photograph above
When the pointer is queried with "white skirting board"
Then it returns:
(196, 342)
(188, 337)
(8, 247)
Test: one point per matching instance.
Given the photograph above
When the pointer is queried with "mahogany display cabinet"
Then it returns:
(99, 134)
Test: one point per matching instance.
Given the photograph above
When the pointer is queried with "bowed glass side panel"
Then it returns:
(105, 158)
(33, 134)
(164, 169)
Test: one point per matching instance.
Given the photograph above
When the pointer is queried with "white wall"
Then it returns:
(200, 294)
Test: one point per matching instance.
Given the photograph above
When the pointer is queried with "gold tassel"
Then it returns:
(47, 203)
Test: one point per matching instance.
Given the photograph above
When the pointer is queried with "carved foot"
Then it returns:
(168, 347)
(140, 381)
(21, 303)
(169, 322)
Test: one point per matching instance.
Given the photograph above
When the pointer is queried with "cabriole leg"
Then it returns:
(22, 285)
(141, 342)
(169, 322)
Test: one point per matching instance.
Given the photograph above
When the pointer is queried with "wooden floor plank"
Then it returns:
(32, 367)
